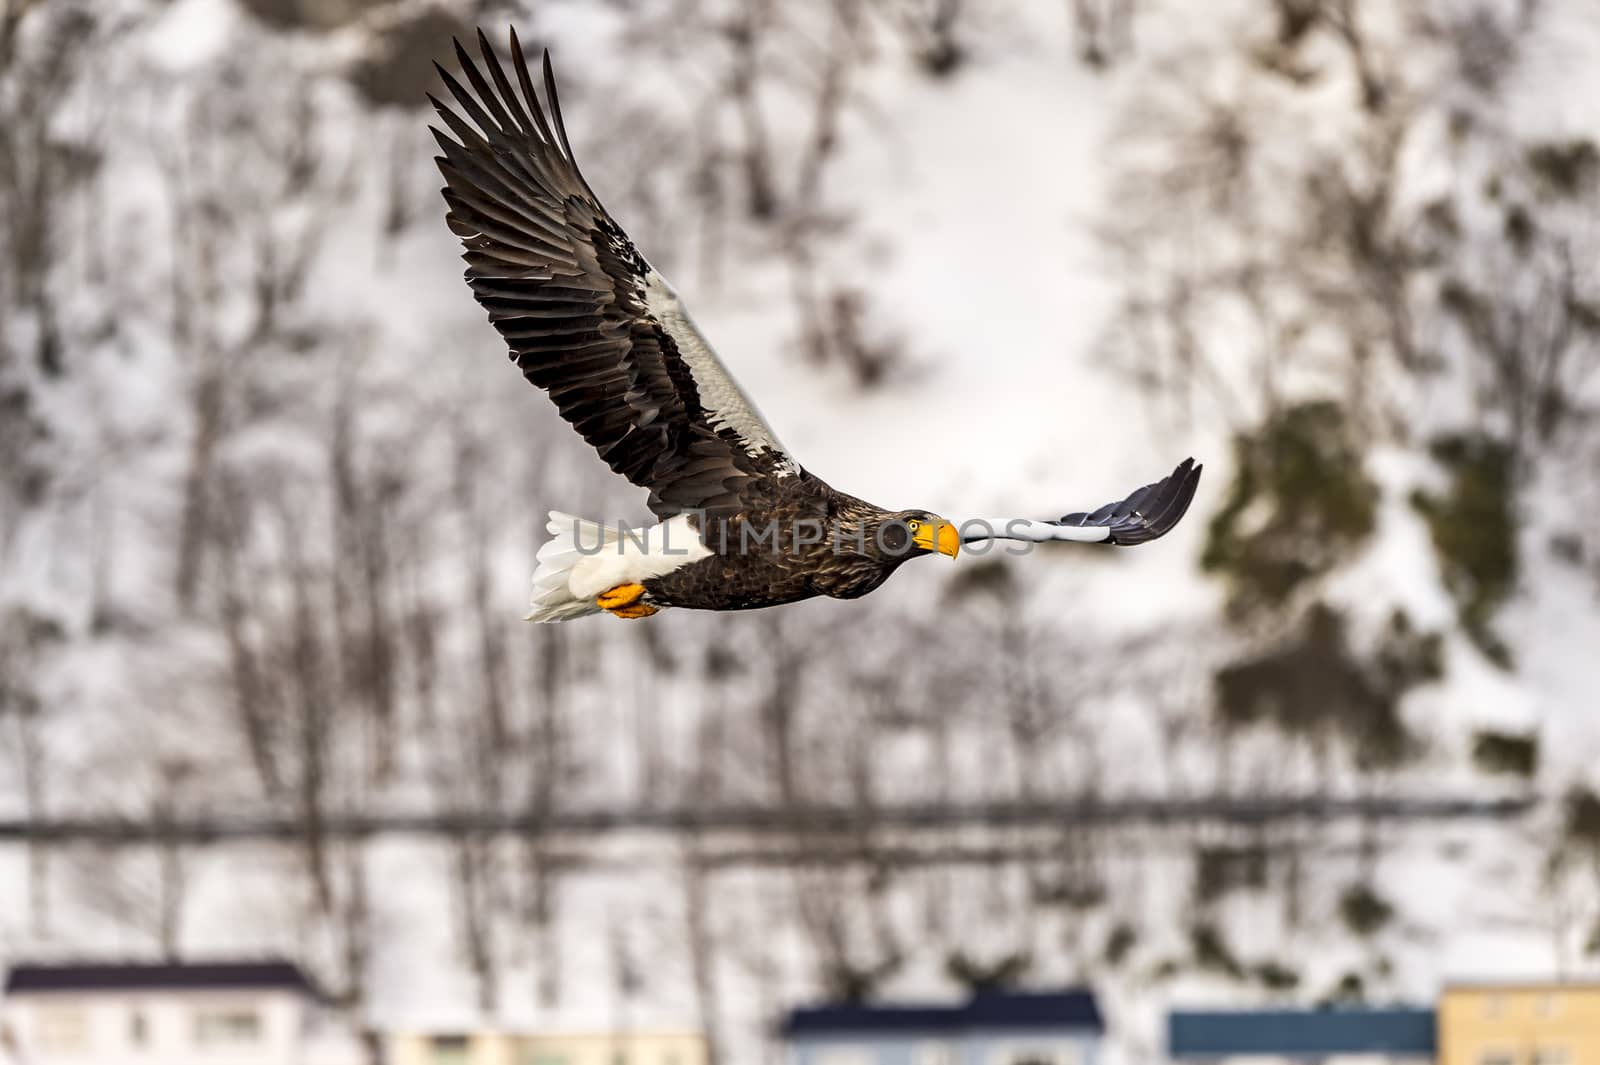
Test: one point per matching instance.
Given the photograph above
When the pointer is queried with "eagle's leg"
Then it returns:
(625, 601)
(621, 595)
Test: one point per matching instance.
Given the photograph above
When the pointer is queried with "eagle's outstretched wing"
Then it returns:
(586, 317)
(1145, 515)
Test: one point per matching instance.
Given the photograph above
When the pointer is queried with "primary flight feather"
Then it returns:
(591, 322)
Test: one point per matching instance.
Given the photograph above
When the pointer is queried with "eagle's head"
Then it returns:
(916, 532)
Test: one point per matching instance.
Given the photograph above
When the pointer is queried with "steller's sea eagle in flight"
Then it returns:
(741, 523)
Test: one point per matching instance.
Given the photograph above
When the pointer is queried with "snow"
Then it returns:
(974, 205)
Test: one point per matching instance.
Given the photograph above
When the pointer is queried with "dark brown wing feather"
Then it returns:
(1148, 513)
(578, 306)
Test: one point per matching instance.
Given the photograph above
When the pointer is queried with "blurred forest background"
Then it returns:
(270, 494)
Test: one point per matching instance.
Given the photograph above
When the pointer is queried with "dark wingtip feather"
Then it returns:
(443, 139)
(554, 100)
(1147, 513)
(555, 103)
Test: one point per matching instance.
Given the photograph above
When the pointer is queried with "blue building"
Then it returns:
(991, 1028)
(1398, 1035)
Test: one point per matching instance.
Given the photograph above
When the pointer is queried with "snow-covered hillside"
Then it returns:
(270, 496)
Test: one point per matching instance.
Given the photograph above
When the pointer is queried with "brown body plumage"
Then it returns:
(799, 539)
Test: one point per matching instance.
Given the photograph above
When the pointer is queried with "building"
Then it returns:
(992, 1028)
(239, 1013)
(1300, 1035)
(632, 1047)
(1520, 1024)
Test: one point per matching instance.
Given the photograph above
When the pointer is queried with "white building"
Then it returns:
(239, 1013)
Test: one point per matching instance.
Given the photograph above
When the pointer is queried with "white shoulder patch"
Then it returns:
(725, 402)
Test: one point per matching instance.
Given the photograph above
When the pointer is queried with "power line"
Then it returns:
(755, 819)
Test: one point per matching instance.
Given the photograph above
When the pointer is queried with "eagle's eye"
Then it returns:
(894, 537)
(914, 524)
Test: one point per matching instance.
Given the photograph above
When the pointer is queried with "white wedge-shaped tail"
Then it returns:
(583, 558)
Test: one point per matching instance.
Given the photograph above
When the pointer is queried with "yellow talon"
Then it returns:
(637, 610)
(620, 596)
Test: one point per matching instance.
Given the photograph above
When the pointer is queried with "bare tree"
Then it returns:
(1103, 30)
(235, 251)
(27, 642)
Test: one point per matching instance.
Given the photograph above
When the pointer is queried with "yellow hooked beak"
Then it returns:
(938, 535)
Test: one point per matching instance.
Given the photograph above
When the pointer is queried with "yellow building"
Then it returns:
(547, 1048)
(1520, 1024)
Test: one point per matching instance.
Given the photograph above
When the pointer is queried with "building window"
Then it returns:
(1497, 1057)
(935, 1052)
(1549, 1005)
(1494, 1006)
(227, 1027)
(844, 1055)
(449, 1050)
(63, 1031)
(532, 1056)
(1037, 1054)
(138, 1030)
(1551, 1056)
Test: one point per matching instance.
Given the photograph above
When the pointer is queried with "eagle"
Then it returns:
(740, 523)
